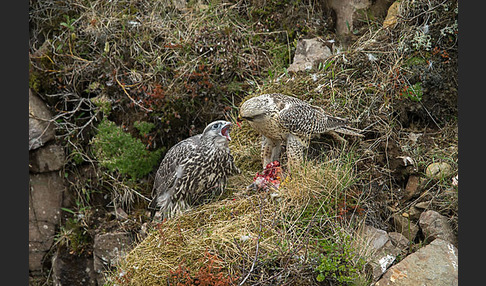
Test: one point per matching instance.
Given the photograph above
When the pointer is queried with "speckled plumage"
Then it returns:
(193, 169)
(283, 119)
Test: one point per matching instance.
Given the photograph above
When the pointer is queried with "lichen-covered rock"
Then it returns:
(435, 264)
(46, 159)
(392, 15)
(45, 201)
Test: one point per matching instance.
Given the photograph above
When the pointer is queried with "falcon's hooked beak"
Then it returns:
(225, 131)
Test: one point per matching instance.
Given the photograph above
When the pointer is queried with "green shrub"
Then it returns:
(144, 127)
(339, 263)
(119, 151)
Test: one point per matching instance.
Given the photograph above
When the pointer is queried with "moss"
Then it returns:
(118, 151)
(413, 61)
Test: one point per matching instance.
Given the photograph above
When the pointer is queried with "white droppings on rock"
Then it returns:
(386, 261)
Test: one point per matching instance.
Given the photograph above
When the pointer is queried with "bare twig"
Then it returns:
(131, 98)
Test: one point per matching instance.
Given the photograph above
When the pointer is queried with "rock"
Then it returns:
(413, 187)
(405, 226)
(345, 13)
(108, 248)
(423, 205)
(435, 264)
(72, 269)
(391, 16)
(45, 197)
(45, 200)
(399, 241)
(46, 159)
(308, 53)
(435, 225)
(438, 170)
(41, 238)
(120, 214)
(41, 129)
(384, 249)
(414, 213)
(36, 259)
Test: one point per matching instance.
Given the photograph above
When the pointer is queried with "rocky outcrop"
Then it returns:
(46, 185)
(435, 264)
(432, 264)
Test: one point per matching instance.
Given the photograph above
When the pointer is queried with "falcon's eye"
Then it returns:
(216, 126)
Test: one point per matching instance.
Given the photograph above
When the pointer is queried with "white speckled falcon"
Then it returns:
(286, 120)
(193, 170)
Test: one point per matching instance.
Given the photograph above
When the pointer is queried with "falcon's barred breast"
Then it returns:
(193, 170)
(287, 120)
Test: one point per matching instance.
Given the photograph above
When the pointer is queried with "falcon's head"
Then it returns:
(218, 132)
(256, 108)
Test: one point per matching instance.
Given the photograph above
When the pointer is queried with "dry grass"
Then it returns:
(247, 231)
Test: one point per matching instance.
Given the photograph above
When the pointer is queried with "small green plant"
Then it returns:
(119, 151)
(73, 234)
(144, 127)
(68, 23)
(338, 263)
(102, 102)
(413, 92)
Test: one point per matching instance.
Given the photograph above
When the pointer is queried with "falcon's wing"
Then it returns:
(305, 119)
(171, 165)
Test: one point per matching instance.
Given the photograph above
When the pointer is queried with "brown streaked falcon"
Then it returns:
(193, 170)
(287, 120)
